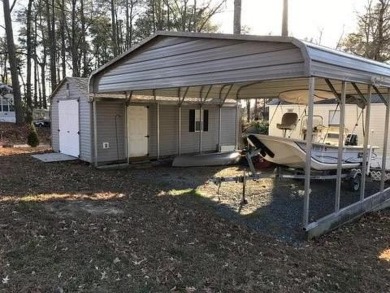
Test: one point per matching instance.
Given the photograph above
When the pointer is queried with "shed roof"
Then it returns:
(236, 66)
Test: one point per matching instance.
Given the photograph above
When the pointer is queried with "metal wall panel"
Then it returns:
(202, 61)
(215, 52)
(338, 65)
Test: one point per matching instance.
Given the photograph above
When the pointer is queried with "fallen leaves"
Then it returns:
(5, 280)
(79, 230)
(385, 255)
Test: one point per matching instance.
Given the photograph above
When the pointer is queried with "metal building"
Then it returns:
(209, 67)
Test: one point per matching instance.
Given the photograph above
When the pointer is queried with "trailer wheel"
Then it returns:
(355, 182)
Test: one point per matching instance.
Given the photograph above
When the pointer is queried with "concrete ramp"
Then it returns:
(53, 157)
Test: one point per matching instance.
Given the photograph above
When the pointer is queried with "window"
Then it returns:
(198, 121)
(6, 105)
(334, 117)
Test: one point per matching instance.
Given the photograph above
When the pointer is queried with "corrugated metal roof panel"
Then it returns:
(168, 61)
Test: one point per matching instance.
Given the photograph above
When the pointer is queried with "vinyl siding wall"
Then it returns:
(111, 128)
(229, 120)
(169, 126)
(377, 130)
(110, 121)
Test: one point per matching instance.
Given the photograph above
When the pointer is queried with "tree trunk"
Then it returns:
(285, 19)
(43, 66)
(237, 17)
(63, 39)
(75, 57)
(36, 74)
(84, 47)
(114, 32)
(52, 46)
(13, 63)
(378, 47)
(29, 57)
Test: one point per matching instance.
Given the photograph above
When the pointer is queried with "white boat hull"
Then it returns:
(292, 153)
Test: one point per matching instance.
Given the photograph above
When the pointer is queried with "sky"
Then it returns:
(307, 18)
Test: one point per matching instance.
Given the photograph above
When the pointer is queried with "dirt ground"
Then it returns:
(68, 227)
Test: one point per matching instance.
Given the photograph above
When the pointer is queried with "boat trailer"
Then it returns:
(351, 177)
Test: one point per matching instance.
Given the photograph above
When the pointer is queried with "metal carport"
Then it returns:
(216, 67)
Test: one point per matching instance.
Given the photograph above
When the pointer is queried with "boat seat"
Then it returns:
(289, 122)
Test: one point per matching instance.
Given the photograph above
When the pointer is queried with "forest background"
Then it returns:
(59, 38)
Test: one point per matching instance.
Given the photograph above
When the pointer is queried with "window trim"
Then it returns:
(198, 118)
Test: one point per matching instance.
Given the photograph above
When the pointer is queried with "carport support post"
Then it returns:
(158, 130)
(340, 148)
(365, 144)
(201, 130)
(95, 140)
(179, 130)
(219, 127)
(181, 101)
(127, 103)
(308, 152)
(237, 124)
(385, 142)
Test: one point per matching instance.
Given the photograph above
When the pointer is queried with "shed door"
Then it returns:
(68, 115)
(137, 117)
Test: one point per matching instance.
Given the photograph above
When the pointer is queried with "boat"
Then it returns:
(292, 153)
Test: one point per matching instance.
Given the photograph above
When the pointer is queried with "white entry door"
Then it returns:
(68, 111)
(137, 117)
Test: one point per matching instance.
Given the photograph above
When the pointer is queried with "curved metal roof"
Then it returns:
(233, 66)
